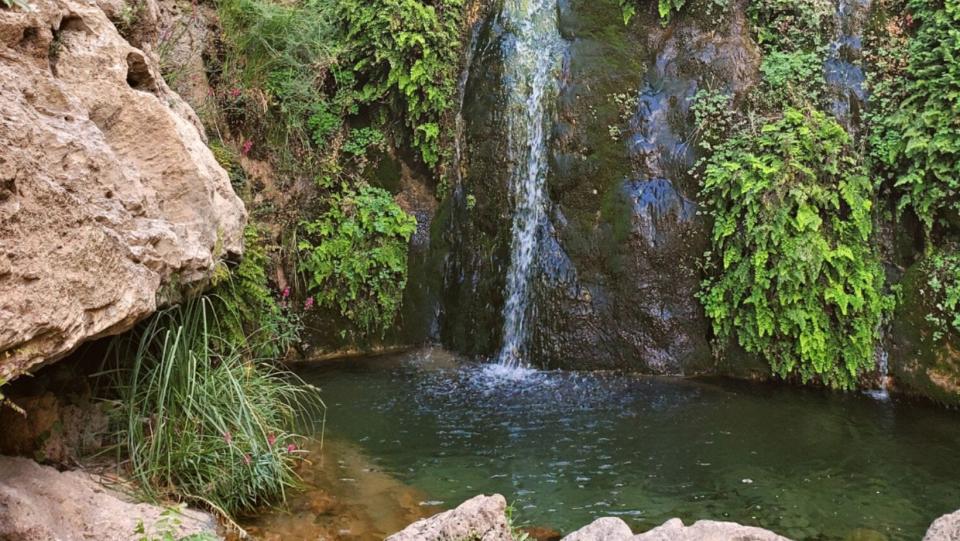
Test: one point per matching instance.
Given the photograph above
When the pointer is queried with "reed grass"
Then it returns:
(204, 421)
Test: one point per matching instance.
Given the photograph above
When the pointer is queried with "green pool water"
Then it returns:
(567, 448)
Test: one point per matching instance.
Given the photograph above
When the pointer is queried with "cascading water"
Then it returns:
(530, 76)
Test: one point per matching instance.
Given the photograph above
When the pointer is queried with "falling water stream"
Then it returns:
(530, 69)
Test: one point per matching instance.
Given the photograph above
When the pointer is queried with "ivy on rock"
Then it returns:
(792, 275)
(354, 257)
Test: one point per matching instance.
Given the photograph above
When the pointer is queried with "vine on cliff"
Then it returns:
(794, 279)
(918, 142)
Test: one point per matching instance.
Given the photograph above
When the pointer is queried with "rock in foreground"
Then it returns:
(707, 530)
(39, 503)
(110, 200)
(945, 528)
(482, 518)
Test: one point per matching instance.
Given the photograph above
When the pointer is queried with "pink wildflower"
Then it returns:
(291, 448)
(246, 459)
(308, 304)
(235, 92)
(285, 293)
(271, 439)
(247, 145)
(228, 437)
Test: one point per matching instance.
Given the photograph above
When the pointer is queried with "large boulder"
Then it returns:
(481, 518)
(39, 503)
(707, 530)
(922, 362)
(945, 528)
(110, 202)
(602, 529)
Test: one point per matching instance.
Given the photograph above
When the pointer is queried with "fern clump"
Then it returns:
(794, 279)
(354, 257)
(918, 143)
(408, 51)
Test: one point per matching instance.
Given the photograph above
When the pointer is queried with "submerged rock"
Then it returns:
(110, 201)
(39, 503)
(482, 518)
(945, 528)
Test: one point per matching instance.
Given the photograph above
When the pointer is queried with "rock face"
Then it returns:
(110, 201)
(617, 263)
(482, 518)
(38, 503)
(945, 528)
(920, 363)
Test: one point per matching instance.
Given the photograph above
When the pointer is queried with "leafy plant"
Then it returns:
(265, 327)
(166, 527)
(919, 143)
(665, 8)
(361, 139)
(408, 53)
(714, 117)
(202, 420)
(792, 275)
(943, 270)
(354, 257)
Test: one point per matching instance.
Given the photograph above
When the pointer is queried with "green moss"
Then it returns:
(926, 355)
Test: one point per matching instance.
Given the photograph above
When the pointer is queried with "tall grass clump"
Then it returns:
(203, 421)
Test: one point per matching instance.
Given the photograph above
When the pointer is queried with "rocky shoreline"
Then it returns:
(484, 518)
(39, 503)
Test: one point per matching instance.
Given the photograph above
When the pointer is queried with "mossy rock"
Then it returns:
(921, 363)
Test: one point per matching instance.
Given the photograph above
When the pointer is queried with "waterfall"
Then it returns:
(530, 78)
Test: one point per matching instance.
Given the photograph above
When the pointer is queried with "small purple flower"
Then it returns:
(308, 304)
(285, 293)
(247, 145)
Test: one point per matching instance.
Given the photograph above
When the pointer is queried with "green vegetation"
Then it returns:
(257, 320)
(202, 419)
(355, 257)
(664, 7)
(407, 52)
(916, 138)
(943, 271)
(323, 65)
(166, 527)
(795, 279)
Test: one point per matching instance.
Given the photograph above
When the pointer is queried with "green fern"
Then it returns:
(793, 277)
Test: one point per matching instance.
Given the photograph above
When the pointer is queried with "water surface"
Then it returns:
(566, 448)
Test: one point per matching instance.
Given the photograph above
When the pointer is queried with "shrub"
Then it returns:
(287, 50)
(943, 271)
(793, 277)
(265, 327)
(408, 53)
(354, 257)
(201, 420)
(919, 143)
